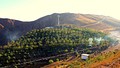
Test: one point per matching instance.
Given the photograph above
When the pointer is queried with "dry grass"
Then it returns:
(110, 62)
(85, 19)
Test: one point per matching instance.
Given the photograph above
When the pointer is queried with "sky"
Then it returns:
(29, 10)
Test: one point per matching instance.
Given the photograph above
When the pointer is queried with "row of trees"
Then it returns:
(46, 42)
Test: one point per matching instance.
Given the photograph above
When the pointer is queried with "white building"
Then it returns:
(84, 56)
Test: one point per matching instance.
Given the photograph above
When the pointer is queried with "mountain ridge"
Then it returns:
(11, 29)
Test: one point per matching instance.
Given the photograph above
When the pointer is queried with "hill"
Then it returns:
(13, 29)
(39, 47)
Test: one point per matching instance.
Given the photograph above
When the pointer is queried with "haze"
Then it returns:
(28, 10)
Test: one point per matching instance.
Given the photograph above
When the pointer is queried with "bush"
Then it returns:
(57, 59)
(51, 61)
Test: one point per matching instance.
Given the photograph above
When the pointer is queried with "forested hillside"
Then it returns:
(49, 42)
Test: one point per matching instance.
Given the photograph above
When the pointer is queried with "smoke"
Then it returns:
(98, 40)
(113, 37)
(90, 41)
(12, 35)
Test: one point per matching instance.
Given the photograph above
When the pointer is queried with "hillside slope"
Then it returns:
(49, 42)
(13, 29)
(110, 58)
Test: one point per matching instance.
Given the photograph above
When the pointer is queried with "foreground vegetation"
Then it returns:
(48, 42)
(103, 60)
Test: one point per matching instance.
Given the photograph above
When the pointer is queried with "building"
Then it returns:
(84, 56)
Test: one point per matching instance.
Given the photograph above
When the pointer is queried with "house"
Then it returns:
(84, 56)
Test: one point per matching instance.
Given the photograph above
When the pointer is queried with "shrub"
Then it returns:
(51, 61)
(57, 59)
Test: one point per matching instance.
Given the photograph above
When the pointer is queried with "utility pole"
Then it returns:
(58, 20)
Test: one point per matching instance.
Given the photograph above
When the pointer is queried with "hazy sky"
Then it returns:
(28, 10)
